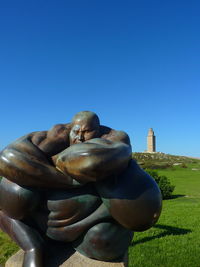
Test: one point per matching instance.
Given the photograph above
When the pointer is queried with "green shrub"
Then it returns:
(163, 182)
(183, 165)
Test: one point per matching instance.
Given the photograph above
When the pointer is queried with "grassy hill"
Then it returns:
(164, 161)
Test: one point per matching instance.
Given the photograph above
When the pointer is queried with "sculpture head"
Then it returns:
(85, 126)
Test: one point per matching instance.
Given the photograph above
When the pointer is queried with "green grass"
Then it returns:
(7, 247)
(175, 240)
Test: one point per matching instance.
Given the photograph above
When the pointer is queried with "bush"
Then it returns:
(163, 182)
(183, 165)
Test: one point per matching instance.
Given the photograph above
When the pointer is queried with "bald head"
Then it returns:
(86, 116)
(85, 126)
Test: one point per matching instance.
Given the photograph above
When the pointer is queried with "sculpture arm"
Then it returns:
(133, 198)
(26, 164)
(94, 160)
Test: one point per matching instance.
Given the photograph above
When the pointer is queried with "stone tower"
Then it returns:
(151, 141)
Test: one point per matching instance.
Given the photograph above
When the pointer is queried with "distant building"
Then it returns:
(151, 141)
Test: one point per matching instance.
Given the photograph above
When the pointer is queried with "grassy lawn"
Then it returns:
(7, 247)
(175, 240)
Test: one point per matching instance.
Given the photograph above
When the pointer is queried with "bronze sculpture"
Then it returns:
(75, 183)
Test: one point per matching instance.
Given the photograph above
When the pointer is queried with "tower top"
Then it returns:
(151, 132)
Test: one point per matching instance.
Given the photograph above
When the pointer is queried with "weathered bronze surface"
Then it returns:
(75, 183)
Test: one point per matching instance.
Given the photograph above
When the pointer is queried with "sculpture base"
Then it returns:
(65, 256)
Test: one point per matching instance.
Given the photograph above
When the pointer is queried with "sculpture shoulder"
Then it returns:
(59, 131)
(38, 137)
(54, 140)
(114, 135)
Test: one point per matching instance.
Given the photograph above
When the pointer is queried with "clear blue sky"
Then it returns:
(135, 63)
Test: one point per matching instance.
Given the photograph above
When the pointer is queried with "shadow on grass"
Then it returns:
(176, 196)
(169, 230)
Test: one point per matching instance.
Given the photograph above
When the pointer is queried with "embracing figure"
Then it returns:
(76, 183)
